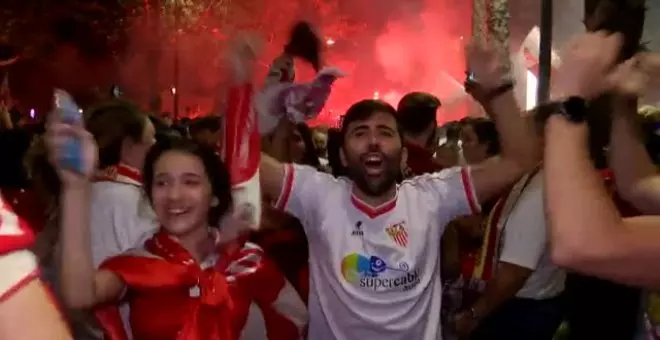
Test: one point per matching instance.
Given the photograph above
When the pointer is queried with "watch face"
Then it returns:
(575, 109)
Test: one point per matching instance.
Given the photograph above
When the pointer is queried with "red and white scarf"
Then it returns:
(120, 173)
(212, 303)
(488, 256)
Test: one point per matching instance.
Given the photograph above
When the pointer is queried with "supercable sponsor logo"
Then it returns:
(371, 272)
(404, 282)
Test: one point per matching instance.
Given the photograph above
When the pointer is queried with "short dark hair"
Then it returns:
(362, 111)
(486, 132)
(110, 123)
(210, 123)
(215, 169)
(416, 111)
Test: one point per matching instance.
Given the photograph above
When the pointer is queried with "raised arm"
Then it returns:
(587, 232)
(82, 285)
(636, 176)
(520, 147)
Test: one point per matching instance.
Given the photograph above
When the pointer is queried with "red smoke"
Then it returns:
(387, 47)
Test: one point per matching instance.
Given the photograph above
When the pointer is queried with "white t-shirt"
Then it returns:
(525, 242)
(121, 219)
(375, 272)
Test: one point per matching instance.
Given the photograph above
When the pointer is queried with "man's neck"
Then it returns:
(420, 140)
(375, 201)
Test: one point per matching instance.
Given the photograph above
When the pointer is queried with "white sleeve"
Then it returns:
(18, 269)
(525, 237)
(302, 189)
(119, 223)
(451, 191)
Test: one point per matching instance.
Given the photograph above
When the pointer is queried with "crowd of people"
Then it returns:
(386, 227)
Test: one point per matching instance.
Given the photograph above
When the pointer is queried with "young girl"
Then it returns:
(184, 282)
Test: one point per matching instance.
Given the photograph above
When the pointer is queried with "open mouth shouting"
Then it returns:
(374, 164)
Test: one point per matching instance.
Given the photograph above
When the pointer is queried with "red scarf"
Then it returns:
(486, 262)
(120, 173)
(171, 297)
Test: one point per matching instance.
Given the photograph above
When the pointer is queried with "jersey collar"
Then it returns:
(372, 211)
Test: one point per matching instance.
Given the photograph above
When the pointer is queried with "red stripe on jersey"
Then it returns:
(469, 191)
(287, 186)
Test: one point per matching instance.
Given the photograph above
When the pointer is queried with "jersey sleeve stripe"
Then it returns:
(287, 186)
(469, 191)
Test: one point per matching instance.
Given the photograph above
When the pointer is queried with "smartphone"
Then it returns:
(69, 113)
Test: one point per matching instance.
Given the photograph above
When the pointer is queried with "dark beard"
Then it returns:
(376, 187)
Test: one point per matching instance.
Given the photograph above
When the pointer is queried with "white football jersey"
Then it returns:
(375, 271)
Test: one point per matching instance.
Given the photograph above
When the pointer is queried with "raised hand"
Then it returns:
(635, 75)
(587, 64)
(57, 135)
(487, 65)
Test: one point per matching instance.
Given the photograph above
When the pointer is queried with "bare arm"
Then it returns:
(520, 149)
(30, 314)
(271, 176)
(82, 285)
(636, 178)
(587, 232)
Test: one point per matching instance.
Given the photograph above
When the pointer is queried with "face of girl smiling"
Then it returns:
(181, 193)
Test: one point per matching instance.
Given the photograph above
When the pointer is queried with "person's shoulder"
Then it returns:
(444, 175)
(113, 190)
(322, 178)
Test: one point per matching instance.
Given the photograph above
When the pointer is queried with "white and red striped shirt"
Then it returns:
(18, 266)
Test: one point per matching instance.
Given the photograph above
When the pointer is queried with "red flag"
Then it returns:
(242, 150)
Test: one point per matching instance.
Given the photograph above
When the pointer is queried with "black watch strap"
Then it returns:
(500, 90)
(574, 109)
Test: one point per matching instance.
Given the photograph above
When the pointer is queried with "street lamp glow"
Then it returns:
(376, 95)
(32, 113)
(80, 111)
(173, 90)
(329, 41)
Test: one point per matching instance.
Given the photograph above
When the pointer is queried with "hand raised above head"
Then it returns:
(487, 64)
(634, 76)
(587, 62)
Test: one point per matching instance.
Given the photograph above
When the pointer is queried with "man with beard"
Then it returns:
(374, 245)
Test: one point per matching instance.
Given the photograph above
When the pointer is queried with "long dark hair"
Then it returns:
(215, 170)
(311, 156)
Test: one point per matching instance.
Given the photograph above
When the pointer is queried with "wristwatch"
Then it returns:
(574, 109)
(500, 90)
